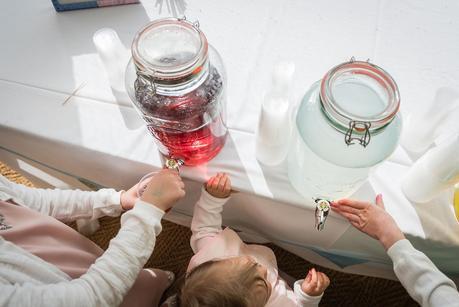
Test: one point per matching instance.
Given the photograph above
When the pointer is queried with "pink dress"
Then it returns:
(60, 245)
(210, 242)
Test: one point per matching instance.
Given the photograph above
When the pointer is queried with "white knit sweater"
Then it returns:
(421, 278)
(26, 280)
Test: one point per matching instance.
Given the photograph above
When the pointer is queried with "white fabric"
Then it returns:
(26, 280)
(98, 136)
(206, 228)
(421, 278)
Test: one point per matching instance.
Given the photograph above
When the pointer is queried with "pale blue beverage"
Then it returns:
(320, 163)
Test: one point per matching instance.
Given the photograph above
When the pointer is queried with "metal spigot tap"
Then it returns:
(322, 211)
(174, 164)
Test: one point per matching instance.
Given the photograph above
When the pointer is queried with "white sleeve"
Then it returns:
(302, 298)
(207, 220)
(421, 278)
(109, 279)
(67, 205)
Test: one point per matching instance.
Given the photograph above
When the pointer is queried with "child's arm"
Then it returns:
(423, 281)
(112, 275)
(65, 205)
(309, 291)
(207, 218)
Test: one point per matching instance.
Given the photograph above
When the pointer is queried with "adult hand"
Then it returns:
(164, 189)
(315, 283)
(370, 219)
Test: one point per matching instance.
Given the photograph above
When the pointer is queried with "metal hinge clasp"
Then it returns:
(362, 128)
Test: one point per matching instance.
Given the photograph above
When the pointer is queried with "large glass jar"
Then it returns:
(346, 123)
(176, 81)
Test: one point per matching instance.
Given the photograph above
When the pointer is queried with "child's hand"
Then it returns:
(129, 197)
(219, 186)
(164, 189)
(315, 283)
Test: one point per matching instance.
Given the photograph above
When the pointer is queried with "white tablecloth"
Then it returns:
(97, 136)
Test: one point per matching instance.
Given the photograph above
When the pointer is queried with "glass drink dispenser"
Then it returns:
(347, 123)
(176, 81)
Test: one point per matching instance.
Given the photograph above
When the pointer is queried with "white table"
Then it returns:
(96, 136)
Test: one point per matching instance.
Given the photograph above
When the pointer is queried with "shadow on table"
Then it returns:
(277, 175)
(77, 29)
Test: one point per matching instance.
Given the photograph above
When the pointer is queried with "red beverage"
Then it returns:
(193, 147)
(192, 126)
(175, 80)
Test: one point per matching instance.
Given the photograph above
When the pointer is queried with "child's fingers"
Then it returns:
(320, 282)
(147, 180)
(326, 280)
(308, 277)
(211, 183)
(221, 183)
(218, 177)
(306, 285)
(217, 181)
(227, 188)
(314, 279)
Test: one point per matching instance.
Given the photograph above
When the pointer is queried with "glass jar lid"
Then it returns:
(359, 98)
(169, 49)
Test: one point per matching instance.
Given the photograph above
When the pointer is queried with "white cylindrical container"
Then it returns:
(274, 125)
(422, 125)
(114, 56)
(434, 172)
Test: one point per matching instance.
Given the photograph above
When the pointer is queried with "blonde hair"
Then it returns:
(205, 287)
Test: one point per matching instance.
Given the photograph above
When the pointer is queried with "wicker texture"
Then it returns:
(172, 252)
